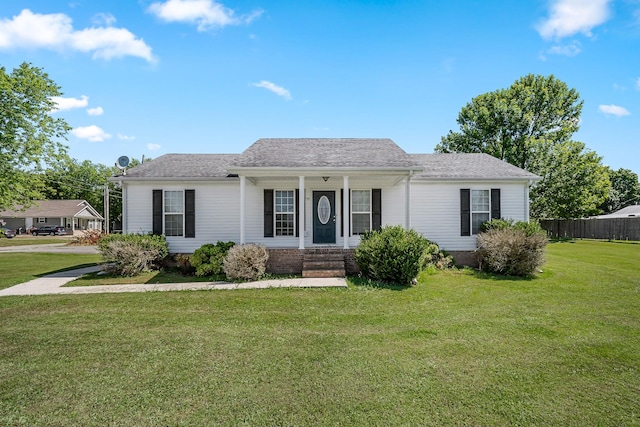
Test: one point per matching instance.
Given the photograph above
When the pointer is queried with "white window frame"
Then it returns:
(278, 215)
(354, 212)
(166, 213)
(475, 226)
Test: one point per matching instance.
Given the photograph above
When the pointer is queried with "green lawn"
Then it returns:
(32, 240)
(457, 349)
(18, 267)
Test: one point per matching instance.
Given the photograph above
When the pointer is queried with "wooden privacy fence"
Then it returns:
(593, 228)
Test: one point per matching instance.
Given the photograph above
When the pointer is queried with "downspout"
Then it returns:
(408, 200)
(526, 200)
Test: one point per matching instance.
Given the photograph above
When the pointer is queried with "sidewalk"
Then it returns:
(52, 284)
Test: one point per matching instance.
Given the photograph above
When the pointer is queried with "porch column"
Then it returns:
(407, 205)
(243, 187)
(301, 213)
(345, 212)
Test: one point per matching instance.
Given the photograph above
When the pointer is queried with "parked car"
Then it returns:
(49, 230)
(7, 232)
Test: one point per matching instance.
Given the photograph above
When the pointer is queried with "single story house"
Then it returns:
(632, 211)
(74, 215)
(305, 198)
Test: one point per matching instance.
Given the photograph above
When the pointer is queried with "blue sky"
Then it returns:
(151, 77)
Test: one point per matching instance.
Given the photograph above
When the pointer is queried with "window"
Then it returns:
(42, 220)
(285, 212)
(360, 211)
(480, 209)
(173, 213)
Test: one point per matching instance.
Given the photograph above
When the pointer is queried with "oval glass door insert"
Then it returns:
(324, 210)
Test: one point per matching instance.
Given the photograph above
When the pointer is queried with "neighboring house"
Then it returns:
(74, 215)
(632, 211)
(303, 196)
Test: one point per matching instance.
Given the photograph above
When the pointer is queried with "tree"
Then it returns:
(29, 136)
(517, 123)
(71, 179)
(575, 183)
(625, 190)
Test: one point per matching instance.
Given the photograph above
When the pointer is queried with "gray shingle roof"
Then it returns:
(184, 166)
(468, 166)
(380, 153)
(53, 208)
(628, 212)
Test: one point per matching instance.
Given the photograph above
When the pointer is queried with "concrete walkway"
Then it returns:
(52, 284)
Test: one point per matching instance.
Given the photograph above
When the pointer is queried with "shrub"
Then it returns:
(208, 259)
(515, 249)
(184, 265)
(87, 237)
(395, 255)
(131, 254)
(246, 262)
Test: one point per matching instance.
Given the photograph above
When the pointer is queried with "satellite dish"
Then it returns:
(123, 162)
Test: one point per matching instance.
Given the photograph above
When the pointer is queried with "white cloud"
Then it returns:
(70, 103)
(614, 110)
(571, 49)
(206, 14)
(153, 147)
(103, 18)
(569, 17)
(55, 31)
(92, 133)
(98, 111)
(126, 137)
(278, 90)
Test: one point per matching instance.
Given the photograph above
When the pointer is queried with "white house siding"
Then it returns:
(217, 212)
(435, 209)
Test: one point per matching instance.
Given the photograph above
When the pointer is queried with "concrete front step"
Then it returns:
(323, 273)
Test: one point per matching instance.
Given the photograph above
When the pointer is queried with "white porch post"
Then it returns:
(301, 213)
(407, 205)
(243, 187)
(346, 221)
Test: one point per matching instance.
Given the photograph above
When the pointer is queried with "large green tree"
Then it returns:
(72, 179)
(29, 136)
(530, 125)
(517, 123)
(625, 190)
(575, 183)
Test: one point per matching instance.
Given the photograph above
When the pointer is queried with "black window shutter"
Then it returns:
(495, 203)
(297, 216)
(157, 212)
(268, 213)
(376, 208)
(189, 213)
(465, 212)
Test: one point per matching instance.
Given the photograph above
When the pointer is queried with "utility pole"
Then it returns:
(106, 208)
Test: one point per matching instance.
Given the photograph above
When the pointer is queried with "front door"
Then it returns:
(324, 217)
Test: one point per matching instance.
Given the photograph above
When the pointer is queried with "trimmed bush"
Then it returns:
(246, 262)
(514, 249)
(87, 237)
(208, 259)
(395, 255)
(131, 254)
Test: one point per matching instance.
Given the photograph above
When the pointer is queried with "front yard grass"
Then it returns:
(459, 348)
(32, 240)
(17, 267)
